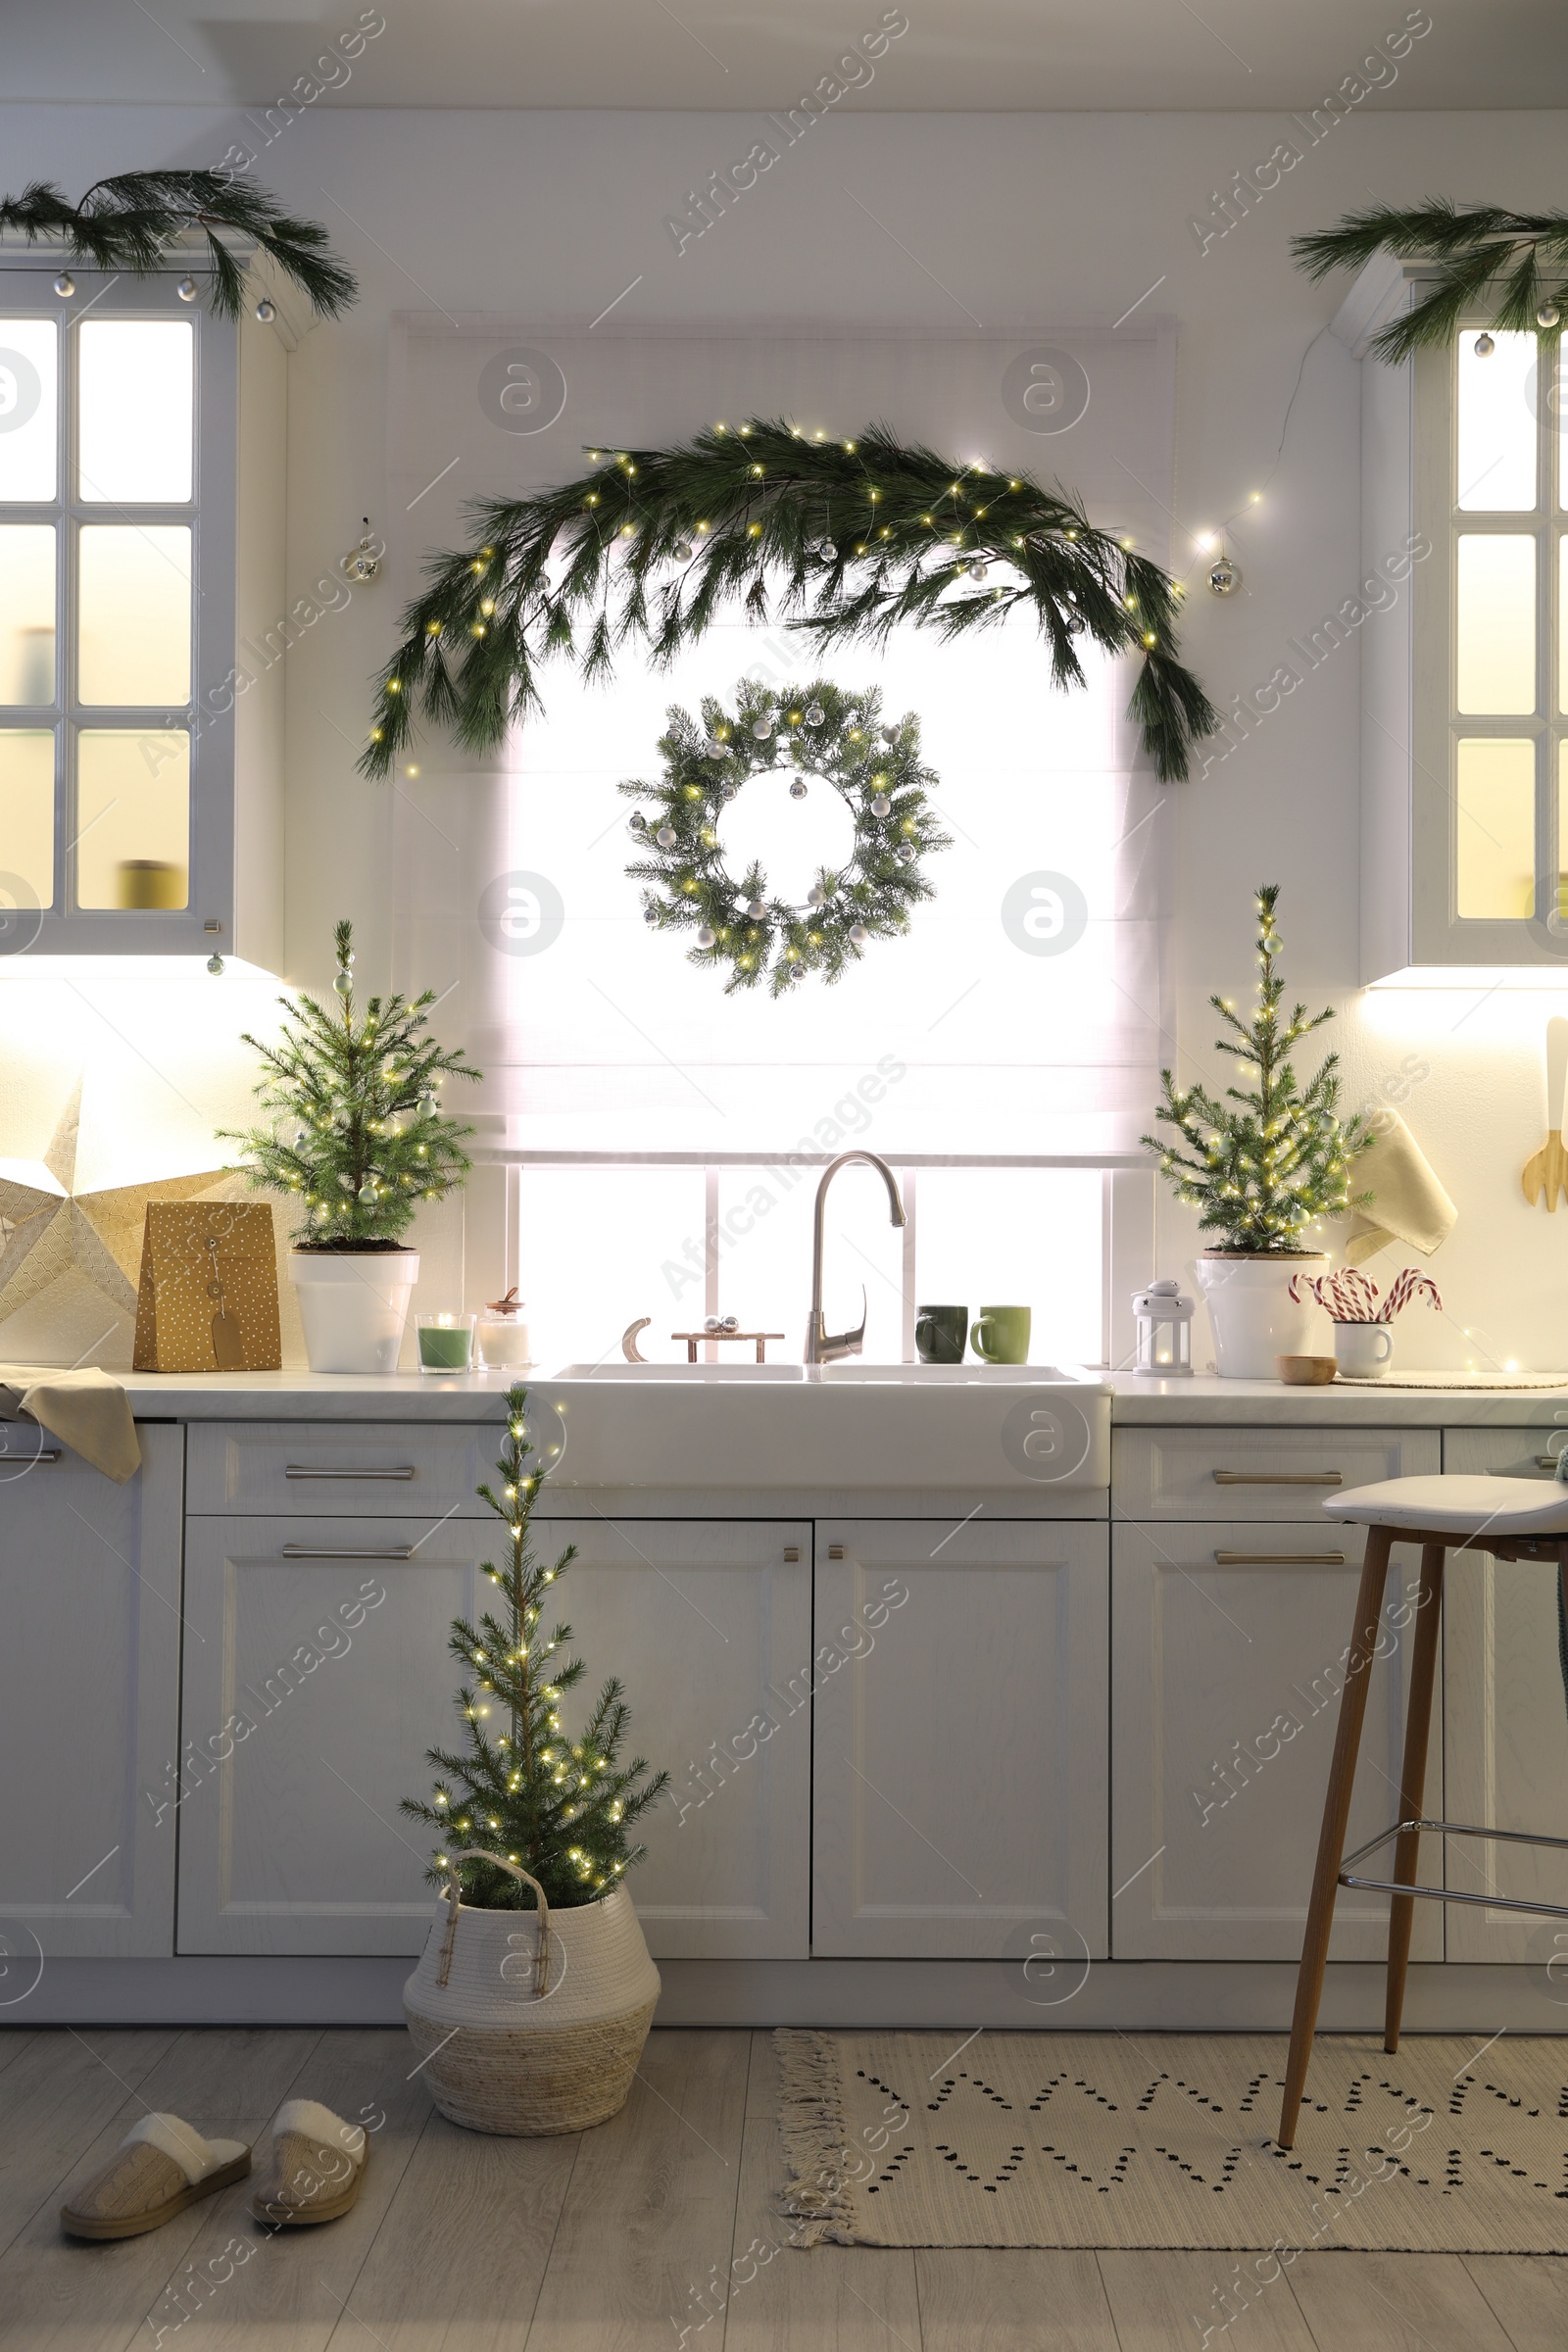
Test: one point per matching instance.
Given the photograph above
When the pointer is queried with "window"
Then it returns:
(116, 586)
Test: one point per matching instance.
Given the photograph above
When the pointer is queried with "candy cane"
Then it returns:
(1408, 1287)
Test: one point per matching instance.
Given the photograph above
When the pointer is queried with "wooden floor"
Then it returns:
(618, 2241)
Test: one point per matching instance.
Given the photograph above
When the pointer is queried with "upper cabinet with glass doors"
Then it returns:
(131, 779)
(1465, 675)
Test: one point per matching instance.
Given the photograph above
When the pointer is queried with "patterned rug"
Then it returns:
(1098, 2140)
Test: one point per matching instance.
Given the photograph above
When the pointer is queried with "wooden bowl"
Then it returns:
(1306, 1371)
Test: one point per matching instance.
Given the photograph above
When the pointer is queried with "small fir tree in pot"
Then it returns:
(523, 1789)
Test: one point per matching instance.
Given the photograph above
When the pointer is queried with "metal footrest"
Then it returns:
(1449, 1894)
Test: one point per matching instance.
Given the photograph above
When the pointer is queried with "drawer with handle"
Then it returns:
(1506, 1452)
(359, 1470)
(1255, 1473)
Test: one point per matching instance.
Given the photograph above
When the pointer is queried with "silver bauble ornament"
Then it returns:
(651, 916)
(188, 289)
(815, 714)
(638, 822)
(1484, 347)
(683, 551)
(816, 896)
(65, 286)
(905, 853)
(858, 935)
(344, 984)
(1549, 315)
(978, 571)
(763, 728)
(796, 971)
(890, 734)
(714, 749)
(707, 937)
(727, 792)
(1223, 578)
(666, 837)
(881, 805)
(266, 311)
(755, 909)
(215, 964)
(797, 789)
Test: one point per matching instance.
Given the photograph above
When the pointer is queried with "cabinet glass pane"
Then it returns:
(1497, 453)
(1494, 841)
(29, 400)
(133, 598)
(1495, 624)
(26, 817)
(27, 612)
(134, 409)
(132, 817)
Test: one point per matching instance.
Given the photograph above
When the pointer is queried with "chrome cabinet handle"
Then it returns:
(348, 1551)
(1545, 1461)
(1279, 1559)
(49, 1453)
(302, 1470)
(1277, 1478)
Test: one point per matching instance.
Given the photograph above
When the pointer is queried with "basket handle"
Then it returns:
(478, 1853)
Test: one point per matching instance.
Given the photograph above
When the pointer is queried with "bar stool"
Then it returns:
(1513, 1519)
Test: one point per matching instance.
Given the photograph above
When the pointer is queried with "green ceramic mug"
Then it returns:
(1000, 1335)
(940, 1333)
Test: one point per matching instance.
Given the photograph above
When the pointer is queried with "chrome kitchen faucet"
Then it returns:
(821, 1345)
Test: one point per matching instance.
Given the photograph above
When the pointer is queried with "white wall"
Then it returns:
(1065, 220)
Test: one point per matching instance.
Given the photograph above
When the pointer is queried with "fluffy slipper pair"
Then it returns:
(163, 2164)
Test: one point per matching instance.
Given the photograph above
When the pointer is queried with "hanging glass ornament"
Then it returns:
(881, 805)
(638, 822)
(651, 916)
(978, 571)
(266, 311)
(905, 853)
(1223, 578)
(858, 935)
(763, 728)
(666, 837)
(188, 289)
(714, 749)
(344, 984)
(815, 714)
(683, 551)
(1484, 347)
(65, 286)
(757, 909)
(816, 896)
(1549, 315)
(707, 937)
(797, 789)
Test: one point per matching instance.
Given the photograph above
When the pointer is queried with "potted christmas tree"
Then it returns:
(1263, 1166)
(357, 1135)
(533, 1998)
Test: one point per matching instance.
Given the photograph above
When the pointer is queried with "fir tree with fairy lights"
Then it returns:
(561, 1808)
(1274, 1157)
(357, 1132)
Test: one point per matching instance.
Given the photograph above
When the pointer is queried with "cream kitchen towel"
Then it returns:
(88, 1411)
(1408, 1203)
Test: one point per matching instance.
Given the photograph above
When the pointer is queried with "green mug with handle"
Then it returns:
(1000, 1335)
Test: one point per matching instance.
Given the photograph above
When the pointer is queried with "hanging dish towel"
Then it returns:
(1408, 1203)
(88, 1411)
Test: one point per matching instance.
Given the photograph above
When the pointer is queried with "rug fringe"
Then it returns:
(812, 2127)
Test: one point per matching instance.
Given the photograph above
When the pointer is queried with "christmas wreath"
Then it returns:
(848, 537)
(823, 733)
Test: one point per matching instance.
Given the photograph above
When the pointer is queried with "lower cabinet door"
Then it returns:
(89, 1706)
(314, 1686)
(959, 1680)
(1228, 1645)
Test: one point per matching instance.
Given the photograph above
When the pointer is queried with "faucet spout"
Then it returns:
(823, 1347)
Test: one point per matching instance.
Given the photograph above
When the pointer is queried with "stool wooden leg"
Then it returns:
(1336, 1814)
(1406, 1850)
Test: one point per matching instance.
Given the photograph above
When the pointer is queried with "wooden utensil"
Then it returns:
(1547, 1170)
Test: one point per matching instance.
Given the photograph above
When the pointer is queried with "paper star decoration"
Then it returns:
(69, 1260)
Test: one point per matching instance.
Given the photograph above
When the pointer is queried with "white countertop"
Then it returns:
(477, 1396)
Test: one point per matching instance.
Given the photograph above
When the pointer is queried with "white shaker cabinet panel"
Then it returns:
(708, 1625)
(366, 1469)
(89, 1703)
(961, 1801)
(1224, 1472)
(1228, 1645)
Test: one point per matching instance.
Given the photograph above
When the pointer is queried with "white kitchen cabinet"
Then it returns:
(1223, 1472)
(960, 1793)
(327, 1636)
(89, 1703)
(1228, 1647)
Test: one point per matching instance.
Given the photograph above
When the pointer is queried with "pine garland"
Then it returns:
(1263, 1172)
(130, 223)
(849, 538)
(368, 1142)
(821, 731)
(558, 1807)
(1514, 265)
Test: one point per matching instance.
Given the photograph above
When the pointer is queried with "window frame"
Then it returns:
(26, 290)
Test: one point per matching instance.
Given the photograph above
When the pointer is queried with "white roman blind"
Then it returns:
(1019, 1015)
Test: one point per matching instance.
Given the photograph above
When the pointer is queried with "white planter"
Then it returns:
(1252, 1313)
(354, 1305)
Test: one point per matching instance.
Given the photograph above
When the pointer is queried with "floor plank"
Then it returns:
(220, 2070)
(59, 2294)
(787, 2298)
(56, 2096)
(650, 2213)
(1528, 2296)
(992, 2299)
(1161, 2300)
(459, 2257)
(294, 2286)
(1355, 2302)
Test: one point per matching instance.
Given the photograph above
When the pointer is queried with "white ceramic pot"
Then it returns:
(354, 1304)
(1252, 1313)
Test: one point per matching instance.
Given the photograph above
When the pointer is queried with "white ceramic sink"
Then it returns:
(829, 1426)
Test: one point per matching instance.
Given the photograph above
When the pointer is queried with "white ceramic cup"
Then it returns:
(1363, 1350)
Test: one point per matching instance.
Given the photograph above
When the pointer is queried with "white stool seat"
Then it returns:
(1458, 1504)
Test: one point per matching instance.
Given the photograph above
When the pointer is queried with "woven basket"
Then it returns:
(531, 2024)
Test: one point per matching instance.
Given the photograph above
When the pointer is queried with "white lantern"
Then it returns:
(1164, 1320)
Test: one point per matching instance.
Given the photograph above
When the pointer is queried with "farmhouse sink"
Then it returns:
(829, 1426)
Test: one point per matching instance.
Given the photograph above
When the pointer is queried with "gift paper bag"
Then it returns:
(207, 1297)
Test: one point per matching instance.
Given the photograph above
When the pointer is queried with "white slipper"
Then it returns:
(317, 2165)
(161, 2166)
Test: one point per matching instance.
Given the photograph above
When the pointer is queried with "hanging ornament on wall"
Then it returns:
(1223, 576)
(364, 562)
(741, 930)
(1484, 347)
